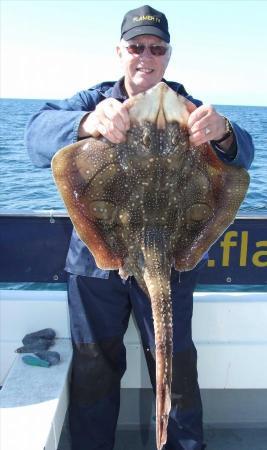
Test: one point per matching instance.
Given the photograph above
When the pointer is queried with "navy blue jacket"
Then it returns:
(56, 125)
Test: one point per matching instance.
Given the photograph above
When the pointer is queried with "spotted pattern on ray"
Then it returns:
(149, 204)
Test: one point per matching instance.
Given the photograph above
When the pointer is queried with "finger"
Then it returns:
(196, 115)
(105, 126)
(125, 116)
(121, 110)
(200, 113)
(110, 132)
(201, 125)
(115, 135)
(115, 138)
(113, 116)
(190, 106)
(118, 115)
(205, 134)
(198, 139)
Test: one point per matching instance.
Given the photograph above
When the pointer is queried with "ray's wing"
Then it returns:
(90, 183)
(214, 192)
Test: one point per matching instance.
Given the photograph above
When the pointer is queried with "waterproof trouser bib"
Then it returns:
(99, 315)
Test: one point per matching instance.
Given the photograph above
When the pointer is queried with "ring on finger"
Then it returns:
(207, 130)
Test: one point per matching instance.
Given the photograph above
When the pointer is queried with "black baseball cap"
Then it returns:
(144, 20)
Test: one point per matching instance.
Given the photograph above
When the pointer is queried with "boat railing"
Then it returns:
(34, 246)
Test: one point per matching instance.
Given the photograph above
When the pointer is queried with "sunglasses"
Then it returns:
(155, 49)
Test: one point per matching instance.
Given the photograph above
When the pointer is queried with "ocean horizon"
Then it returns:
(44, 100)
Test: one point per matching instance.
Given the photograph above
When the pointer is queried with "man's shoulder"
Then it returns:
(102, 87)
(95, 94)
(177, 87)
(180, 89)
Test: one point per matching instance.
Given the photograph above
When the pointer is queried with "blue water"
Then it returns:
(24, 187)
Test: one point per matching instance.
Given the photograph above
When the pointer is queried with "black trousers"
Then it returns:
(99, 315)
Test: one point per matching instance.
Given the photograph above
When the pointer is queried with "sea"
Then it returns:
(24, 187)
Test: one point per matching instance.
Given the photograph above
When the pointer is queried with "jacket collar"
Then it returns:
(116, 91)
(119, 91)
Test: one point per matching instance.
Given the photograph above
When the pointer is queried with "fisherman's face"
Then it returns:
(143, 71)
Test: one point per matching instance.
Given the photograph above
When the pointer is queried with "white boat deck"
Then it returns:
(33, 403)
(231, 338)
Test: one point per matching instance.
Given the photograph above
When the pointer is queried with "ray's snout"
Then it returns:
(160, 105)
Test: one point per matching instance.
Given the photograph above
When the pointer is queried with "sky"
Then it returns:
(52, 49)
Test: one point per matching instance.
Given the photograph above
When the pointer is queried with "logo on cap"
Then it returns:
(148, 18)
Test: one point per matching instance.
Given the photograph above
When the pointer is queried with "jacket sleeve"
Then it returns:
(244, 149)
(56, 125)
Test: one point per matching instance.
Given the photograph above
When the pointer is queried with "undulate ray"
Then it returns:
(149, 204)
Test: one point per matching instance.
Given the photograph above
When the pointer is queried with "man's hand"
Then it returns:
(205, 124)
(110, 119)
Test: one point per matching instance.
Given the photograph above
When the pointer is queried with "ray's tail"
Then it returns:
(157, 268)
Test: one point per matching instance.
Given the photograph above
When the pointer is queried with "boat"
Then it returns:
(229, 329)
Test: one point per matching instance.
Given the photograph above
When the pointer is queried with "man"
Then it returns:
(100, 303)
